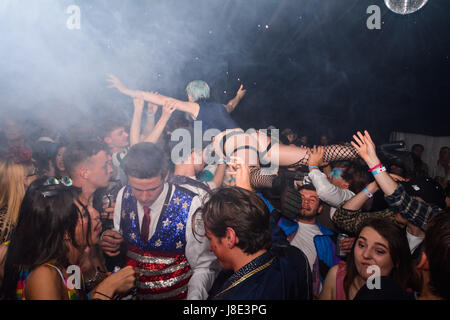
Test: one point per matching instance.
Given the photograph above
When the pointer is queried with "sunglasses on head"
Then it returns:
(54, 181)
(336, 173)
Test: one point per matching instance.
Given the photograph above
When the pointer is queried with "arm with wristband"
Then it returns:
(359, 199)
(327, 191)
(415, 211)
(366, 149)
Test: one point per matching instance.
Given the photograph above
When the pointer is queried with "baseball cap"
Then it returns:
(427, 189)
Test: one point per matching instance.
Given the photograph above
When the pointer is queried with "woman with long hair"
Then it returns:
(53, 231)
(379, 243)
(16, 174)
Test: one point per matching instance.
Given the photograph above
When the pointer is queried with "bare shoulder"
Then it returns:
(44, 283)
(329, 285)
(333, 271)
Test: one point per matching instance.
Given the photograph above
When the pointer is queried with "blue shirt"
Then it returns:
(215, 116)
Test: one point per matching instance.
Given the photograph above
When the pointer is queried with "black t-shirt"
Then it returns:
(215, 116)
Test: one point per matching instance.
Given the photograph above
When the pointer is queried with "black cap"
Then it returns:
(427, 189)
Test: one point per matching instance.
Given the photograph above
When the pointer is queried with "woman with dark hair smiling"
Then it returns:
(379, 243)
(52, 233)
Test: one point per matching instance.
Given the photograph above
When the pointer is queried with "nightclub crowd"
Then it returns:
(199, 209)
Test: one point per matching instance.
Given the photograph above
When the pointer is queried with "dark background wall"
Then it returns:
(310, 65)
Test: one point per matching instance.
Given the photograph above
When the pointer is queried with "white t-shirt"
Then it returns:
(413, 241)
(118, 173)
(304, 240)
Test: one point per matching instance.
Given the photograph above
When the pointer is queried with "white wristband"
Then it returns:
(367, 192)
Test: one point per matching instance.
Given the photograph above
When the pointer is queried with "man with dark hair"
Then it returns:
(89, 165)
(237, 224)
(307, 234)
(113, 133)
(154, 220)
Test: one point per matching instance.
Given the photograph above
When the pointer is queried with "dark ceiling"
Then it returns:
(310, 65)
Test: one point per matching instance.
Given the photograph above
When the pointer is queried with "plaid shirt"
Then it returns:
(349, 221)
(415, 211)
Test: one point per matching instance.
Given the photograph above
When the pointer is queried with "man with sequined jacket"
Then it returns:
(153, 218)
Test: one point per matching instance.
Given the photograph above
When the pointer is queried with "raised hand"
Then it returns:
(139, 103)
(241, 92)
(240, 172)
(365, 148)
(152, 108)
(168, 109)
(316, 156)
(115, 83)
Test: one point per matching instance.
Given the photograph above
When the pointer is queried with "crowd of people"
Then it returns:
(203, 210)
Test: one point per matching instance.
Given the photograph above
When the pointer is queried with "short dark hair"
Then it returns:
(356, 176)
(79, 151)
(244, 212)
(437, 249)
(145, 160)
(109, 125)
(307, 186)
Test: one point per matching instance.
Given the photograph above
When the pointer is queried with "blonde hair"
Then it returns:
(12, 191)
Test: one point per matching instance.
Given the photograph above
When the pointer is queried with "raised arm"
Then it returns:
(150, 122)
(191, 108)
(232, 104)
(158, 129)
(359, 199)
(135, 129)
(415, 211)
(218, 176)
(240, 173)
(327, 191)
(366, 149)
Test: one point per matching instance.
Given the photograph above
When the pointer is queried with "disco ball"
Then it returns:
(405, 6)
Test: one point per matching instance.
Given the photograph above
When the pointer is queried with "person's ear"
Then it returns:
(423, 264)
(231, 238)
(345, 184)
(107, 140)
(84, 173)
